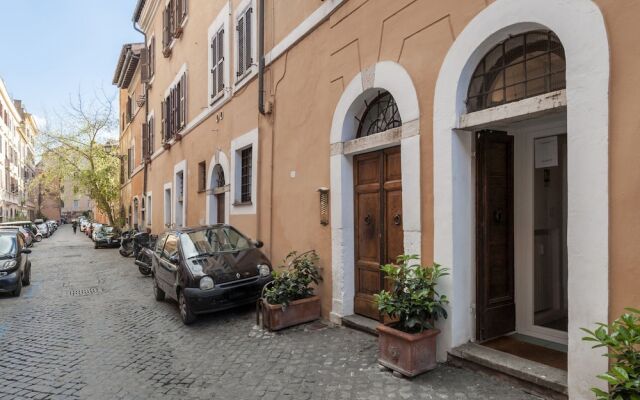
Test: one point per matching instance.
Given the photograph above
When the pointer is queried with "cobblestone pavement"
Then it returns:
(89, 328)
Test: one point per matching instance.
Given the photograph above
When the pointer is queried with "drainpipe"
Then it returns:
(146, 117)
(261, 58)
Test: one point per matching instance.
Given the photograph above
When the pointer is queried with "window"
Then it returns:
(175, 14)
(152, 56)
(130, 160)
(202, 176)
(129, 109)
(244, 42)
(170, 247)
(245, 175)
(522, 66)
(149, 209)
(174, 109)
(217, 63)
(381, 115)
(76, 204)
(167, 206)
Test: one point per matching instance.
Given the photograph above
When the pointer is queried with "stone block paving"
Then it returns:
(89, 328)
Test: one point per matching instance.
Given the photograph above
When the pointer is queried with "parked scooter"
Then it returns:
(126, 243)
(144, 243)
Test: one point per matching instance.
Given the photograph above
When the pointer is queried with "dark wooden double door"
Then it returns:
(495, 292)
(378, 223)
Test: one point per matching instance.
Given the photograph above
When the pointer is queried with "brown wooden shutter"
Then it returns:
(241, 46)
(152, 57)
(184, 9)
(166, 27)
(145, 141)
(152, 127)
(248, 39)
(221, 60)
(183, 100)
(144, 65)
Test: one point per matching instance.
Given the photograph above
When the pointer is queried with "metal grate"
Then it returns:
(245, 184)
(84, 292)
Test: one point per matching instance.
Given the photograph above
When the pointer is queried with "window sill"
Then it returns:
(245, 78)
(216, 98)
(242, 203)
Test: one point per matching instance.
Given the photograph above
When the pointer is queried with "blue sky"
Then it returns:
(51, 48)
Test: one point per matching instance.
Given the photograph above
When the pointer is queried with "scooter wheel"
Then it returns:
(144, 271)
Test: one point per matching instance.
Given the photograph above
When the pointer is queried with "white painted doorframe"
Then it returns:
(524, 135)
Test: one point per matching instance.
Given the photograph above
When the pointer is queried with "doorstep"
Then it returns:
(361, 323)
(539, 378)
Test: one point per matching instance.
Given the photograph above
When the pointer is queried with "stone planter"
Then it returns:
(407, 353)
(274, 317)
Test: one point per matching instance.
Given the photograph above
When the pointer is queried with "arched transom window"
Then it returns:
(380, 115)
(525, 65)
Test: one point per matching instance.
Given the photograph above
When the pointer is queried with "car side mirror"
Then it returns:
(258, 243)
(174, 259)
(25, 251)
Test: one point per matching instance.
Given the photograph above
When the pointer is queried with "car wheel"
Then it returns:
(26, 280)
(187, 316)
(38, 238)
(157, 292)
(18, 290)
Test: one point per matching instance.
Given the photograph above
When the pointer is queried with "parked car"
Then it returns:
(208, 269)
(28, 226)
(53, 225)
(15, 267)
(83, 225)
(94, 229)
(44, 230)
(107, 236)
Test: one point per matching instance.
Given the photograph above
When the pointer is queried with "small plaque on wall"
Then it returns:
(546, 152)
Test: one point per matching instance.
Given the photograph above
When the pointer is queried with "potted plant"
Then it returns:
(289, 299)
(622, 340)
(408, 346)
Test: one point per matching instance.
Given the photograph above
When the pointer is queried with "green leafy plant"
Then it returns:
(622, 338)
(413, 298)
(295, 281)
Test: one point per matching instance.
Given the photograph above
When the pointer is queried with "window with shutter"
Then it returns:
(245, 177)
(220, 60)
(214, 66)
(163, 116)
(184, 9)
(145, 141)
(248, 58)
(241, 47)
(166, 31)
(151, 130)
(183, 100)
(152, 57)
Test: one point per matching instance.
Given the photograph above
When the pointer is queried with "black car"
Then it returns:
(15, 267)
(208, 269)
(107, 236)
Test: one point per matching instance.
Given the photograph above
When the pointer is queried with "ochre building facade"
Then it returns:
(494, 137)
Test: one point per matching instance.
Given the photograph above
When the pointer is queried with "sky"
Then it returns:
(51, 49)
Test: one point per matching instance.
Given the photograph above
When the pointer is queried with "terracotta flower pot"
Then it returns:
(297, 312)
(407, 353)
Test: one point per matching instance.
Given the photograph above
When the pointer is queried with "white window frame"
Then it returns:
(249, 139)
(167, 207)
(179, 167)
(148, 209)
(241, 80)
(150, 117)
(220, 22)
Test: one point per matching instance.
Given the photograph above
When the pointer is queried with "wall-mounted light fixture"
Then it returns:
(324, 205)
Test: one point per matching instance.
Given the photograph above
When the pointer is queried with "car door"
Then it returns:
(167, 267)
(21, 259)
(157, 251)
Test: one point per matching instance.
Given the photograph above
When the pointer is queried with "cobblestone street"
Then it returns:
(89, 328)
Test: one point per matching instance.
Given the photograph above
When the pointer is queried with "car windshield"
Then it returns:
(7, 246)
(106, 229)
(42, 227)
(213, 240)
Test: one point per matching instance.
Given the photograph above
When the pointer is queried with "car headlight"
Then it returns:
(206, 283)
(7, 265)
(264, 270)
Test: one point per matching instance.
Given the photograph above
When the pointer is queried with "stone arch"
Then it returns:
(587, 82)
(219, 160)
(392, 77)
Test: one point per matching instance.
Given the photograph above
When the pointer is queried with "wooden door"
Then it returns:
(378, 223)
(220, 208)
(495, 303)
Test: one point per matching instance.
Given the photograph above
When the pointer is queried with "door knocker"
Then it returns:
(497, 216)
(367, 219)
(397, 219)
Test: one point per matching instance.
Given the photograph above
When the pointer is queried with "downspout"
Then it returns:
(261, 58)
(146, 118)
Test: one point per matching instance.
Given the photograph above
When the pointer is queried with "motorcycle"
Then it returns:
(126, 243)
(144, 243)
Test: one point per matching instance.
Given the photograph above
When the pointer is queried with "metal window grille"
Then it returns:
(525, 65)
(245, 182)
(381, 115)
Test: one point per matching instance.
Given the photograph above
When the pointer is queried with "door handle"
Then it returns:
(397, 219)
(497, 215)
(368, 219)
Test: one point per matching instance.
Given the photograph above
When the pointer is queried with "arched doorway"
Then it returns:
(583, 110)
(218, 190)
(375, 184)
